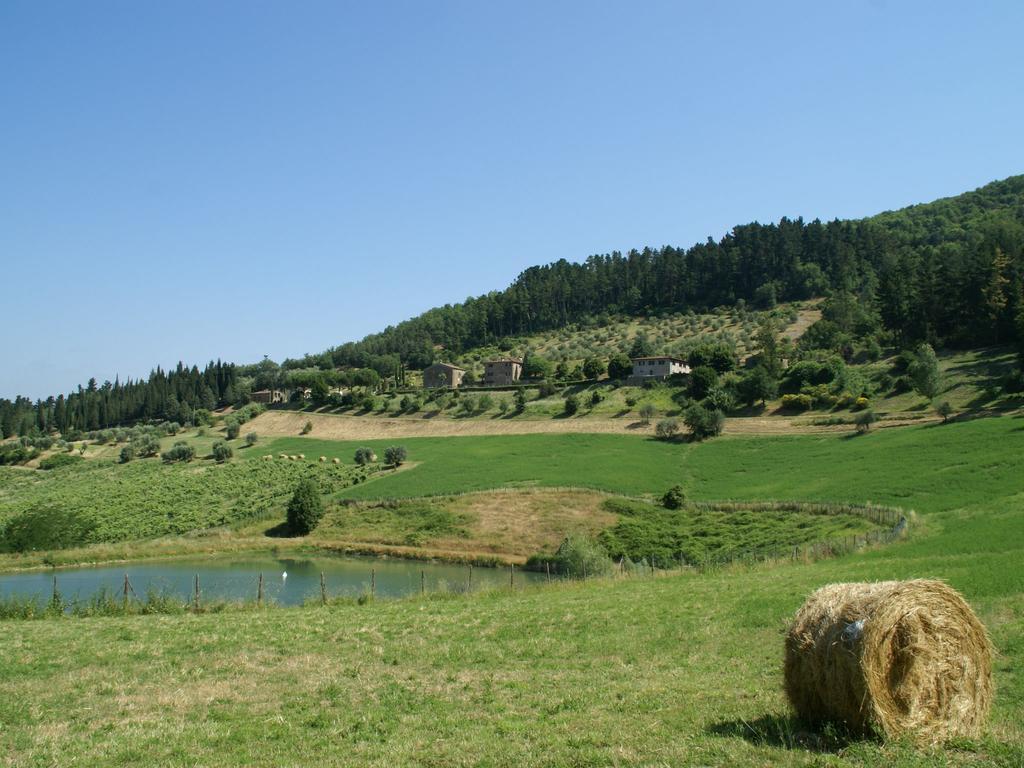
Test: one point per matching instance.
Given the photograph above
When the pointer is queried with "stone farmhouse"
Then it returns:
(502, 373)
(268, 396)
(650, 368)
(442, 375)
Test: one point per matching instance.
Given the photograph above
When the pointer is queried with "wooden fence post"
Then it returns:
(323, 589)
(373, 582)
(469, 586)
(511, 575)
(124, 602)
(196, 594)
(423, 583)
(259, 591)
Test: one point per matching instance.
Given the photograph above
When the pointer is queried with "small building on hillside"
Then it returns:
(502, 373)
(441, 375)
(268, 396)
(649, 368)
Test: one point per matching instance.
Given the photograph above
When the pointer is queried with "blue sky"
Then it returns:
(195, 180)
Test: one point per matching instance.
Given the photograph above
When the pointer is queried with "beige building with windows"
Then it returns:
(442, 375)
(649, 368)
(502, 373)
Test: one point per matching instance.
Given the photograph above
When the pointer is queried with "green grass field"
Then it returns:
(679, 670)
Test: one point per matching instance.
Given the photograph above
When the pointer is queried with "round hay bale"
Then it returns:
(323, 458)
(336, 460)
(896, 657)
(302, 456)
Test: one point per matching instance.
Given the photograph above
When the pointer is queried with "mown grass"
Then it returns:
(681, 670)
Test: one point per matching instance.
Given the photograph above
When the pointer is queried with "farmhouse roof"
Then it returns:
(446, 365)
(515, 360)
(661, 357)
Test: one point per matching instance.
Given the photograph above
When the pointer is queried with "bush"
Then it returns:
(145, 446)
(860, 403)
(43, 527)
(127, 454)
(702, 379)
(222, 452)
(595, 398)
(59, 460)
(944, 409)
(801, 402)
(308, 426)
(305, 509)
(704, 422)
(520, 400)
(365, 456)
(572, 404)
(577, 557)
(647, 412)
(674, 497)
(593, 368)
(232, 428)
(667, 429)
(546, 389)
(864, 420)
(251, 438)
(181, 451)
(395, 455)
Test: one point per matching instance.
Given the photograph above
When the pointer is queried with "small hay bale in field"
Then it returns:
(323, 458)
(268, 457)
(293, 457)
(336, 460)
(899, 657)
(302, 456)
(283, 455)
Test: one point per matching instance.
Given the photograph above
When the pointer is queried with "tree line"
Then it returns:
(166, 395)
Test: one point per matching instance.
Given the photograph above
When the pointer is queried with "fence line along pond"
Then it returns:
(285, 580)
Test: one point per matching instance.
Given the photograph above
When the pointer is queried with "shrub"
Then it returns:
(647, 412)
(593, 368)
(572, 404)
(703, 422)
(180, 451)
(864, 420)
(667, 429)
(520, 400)
(860, 403)
(546, 389)
(305, 509)
(702, 379)
(673, 498)
(595, 398)
(801, 402)
(944, 409)
(365, 456)
(145, 446)
(251, 438)
(43, 527)
(127, 454)
(577, 557)
(59, 460)
(924, 371)
(231, 429)
(308, 426)
(222, 452)
(395, 455)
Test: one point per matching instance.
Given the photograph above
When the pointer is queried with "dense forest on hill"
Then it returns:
(950, 273)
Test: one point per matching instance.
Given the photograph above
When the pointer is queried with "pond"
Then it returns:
(287, 580)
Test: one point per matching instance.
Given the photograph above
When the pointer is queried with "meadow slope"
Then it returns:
(678, 670)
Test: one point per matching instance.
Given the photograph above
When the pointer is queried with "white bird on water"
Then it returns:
(284, 576)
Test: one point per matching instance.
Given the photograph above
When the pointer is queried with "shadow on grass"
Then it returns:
(279, 531)
(787, 732)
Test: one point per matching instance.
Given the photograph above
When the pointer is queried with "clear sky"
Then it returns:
(193, 180)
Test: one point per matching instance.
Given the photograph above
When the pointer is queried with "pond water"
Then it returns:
(287, 580)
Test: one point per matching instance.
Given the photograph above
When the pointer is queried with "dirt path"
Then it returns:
(341, 427)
